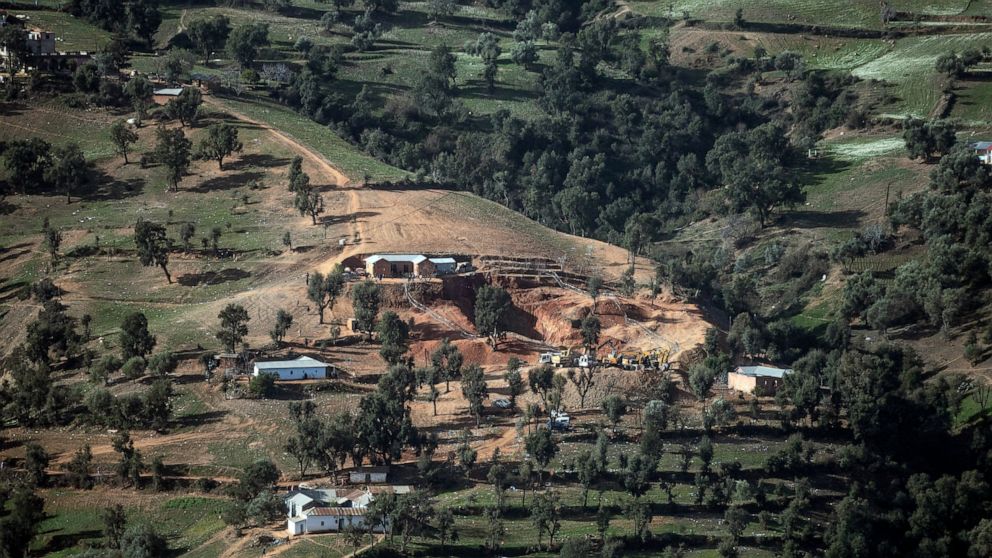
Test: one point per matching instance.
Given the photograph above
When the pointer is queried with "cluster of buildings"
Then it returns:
(326, 510)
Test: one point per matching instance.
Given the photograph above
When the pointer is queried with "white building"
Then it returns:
(300, 500)
(301, 368)
(323, 520)
(38, 42)
(327, 510)
(366, 475)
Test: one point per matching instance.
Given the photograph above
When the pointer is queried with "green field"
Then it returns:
(186, 521)
(910, 67)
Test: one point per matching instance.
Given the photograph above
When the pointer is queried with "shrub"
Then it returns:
(134, 368)
(263, 385)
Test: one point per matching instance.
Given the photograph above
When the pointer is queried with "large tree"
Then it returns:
(122, 136)
(153, 245)
(186, 107)
(752, 167)
(26, 161)
(365, 304)
(492, 305)
(140, 91)
(283, 322)
(174, 151)
(134, 339)
(926, 140)
(221, 141)
(475, 391)
(383, 427)
(245, 40)
(308, 199)
(487, 47)
(393, 333)
(233, 325)
(209, 35)
(323, 290)
(68, 170)
(13, 39)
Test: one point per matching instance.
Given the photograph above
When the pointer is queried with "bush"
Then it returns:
(134, 368)
(206, 485)
(162, 364)
(263, 385)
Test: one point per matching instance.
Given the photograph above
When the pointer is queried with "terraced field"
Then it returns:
(854, 13)
(910, 67)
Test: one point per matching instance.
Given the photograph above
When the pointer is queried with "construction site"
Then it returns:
(544, 327)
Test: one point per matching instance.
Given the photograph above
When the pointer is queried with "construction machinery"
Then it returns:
(567, 357)
(653, 359)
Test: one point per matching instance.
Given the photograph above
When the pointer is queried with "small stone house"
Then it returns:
(760, 380)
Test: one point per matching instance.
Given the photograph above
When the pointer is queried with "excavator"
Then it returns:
(567, 357)
(653, 359)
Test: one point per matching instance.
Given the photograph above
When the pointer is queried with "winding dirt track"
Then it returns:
(329, 171)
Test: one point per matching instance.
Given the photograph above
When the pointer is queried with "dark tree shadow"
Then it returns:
(106, 189)
(263, 160)
(229, 182)
(823, 219)
(200, 419)
(328, 220)
(213, 277)
(61, 542)
(9, 291)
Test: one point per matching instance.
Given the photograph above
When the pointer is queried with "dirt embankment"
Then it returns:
(543, 317)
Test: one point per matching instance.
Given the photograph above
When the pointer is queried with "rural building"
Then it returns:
(163, 96)
(366, 475)
(301, 368)
(38, 42)
(404, 265)
(756, 379)
(443, 266)
(393, 265)
(323, 520)
(328, 510)
(983, 150)
(302, 499)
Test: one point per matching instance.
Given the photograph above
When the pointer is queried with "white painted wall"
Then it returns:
(302, 373)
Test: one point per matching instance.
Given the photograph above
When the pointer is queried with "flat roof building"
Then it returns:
(301, 368)
(759, 379)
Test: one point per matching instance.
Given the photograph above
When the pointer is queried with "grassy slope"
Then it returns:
(855, 13)
(187, 521)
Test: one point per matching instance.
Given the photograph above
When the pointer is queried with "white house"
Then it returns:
(302, 499)
(322, 520)
(301, 368)
(326, 510)
(366, 475)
